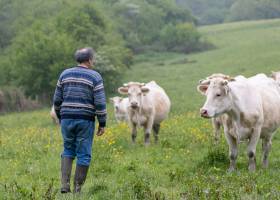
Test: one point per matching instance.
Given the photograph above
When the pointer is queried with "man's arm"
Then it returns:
(100, 103)
(58, 98)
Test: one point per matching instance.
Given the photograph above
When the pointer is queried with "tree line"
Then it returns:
(38, 38)
(220, 11)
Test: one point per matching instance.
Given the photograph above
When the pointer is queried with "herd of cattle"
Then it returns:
(247, 109)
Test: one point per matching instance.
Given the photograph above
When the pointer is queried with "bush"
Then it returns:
(181, 38)
(13, 99)
(253, 10)
(52, 42)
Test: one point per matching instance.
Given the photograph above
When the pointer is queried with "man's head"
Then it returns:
(85, 56)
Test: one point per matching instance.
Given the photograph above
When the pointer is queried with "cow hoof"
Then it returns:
(252, 168)
(231, 169)
(147, 144)
(265, 164)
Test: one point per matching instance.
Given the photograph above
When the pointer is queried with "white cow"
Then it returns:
(252, 109)
(120, 108)
(149, 105)
(217, 122)
(53, 116)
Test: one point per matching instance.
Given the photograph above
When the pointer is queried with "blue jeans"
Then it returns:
(77, 139)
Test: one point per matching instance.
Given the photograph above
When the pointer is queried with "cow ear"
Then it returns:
(120, 99)
(202, 89)
(224, 82)
(273, 75)
(123, 90)
(145, 90)
(111, 100)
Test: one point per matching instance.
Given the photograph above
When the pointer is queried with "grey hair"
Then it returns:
(84, 54)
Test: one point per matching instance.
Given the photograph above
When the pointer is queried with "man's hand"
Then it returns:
(101, 131)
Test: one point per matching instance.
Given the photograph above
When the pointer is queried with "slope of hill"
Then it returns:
(245, 48)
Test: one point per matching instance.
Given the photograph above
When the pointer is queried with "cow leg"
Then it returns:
(251, 151)
(156, 128)
(233, 151)
(133, 133)
(148, 128)
(217, 127)
(266, 146)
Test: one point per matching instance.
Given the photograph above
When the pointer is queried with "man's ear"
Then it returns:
(202, 89)
(145, 90)
(123, 90)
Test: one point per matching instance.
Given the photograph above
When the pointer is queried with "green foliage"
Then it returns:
(45, 47)
(208, 11)
(180, 38)
(140, 22)
(253, 9)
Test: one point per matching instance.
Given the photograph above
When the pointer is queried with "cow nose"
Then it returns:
(116, 107)
(203, 113)
(134, 104)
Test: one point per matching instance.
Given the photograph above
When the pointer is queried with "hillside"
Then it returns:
(245, 48)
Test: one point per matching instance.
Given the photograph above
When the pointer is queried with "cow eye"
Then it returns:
(218, 95)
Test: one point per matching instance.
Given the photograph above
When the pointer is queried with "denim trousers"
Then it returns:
(77, 139)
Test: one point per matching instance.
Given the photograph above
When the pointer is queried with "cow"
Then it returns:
(252, 112)
(217, 122)
(54, 116)
(120, 108)
(148, 106)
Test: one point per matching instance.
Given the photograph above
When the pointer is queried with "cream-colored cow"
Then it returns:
(252, 109)
(148, 106)
(120, 108)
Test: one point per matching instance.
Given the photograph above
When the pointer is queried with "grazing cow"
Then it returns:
(53, 116)
(148, 107)
(252, 112)
(120, 108)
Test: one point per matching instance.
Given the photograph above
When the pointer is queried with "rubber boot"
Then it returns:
(80, 177)
(66, 168)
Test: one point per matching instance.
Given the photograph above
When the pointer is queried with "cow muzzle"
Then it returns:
(134, 105)
(204, 113)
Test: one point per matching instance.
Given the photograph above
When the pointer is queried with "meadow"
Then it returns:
(186, 164)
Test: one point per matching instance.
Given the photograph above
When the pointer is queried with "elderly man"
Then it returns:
(78, 98)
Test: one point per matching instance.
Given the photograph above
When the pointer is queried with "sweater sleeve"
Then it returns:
(100, 102)
(58, 98)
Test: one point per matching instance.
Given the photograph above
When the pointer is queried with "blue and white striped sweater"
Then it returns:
(80, 94)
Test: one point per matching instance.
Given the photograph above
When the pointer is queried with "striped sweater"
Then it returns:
(80, 94)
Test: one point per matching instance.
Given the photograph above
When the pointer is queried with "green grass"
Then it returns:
(185, 164)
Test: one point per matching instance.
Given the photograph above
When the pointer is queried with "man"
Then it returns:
(78, 98)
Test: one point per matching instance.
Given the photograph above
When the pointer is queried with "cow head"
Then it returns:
(116, 102)
(217, 95)
(135, 92)
(275, 76)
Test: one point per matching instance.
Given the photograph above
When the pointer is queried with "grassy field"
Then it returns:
(185, 164)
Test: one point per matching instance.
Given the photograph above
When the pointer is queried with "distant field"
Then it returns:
(185, 164)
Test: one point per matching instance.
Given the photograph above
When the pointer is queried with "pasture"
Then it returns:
(186, 164)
